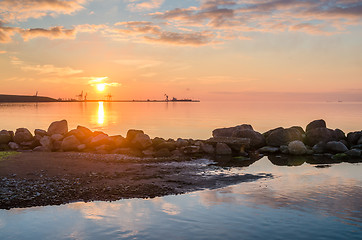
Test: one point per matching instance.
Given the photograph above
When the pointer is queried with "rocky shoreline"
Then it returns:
(241, 140)
(57, 166)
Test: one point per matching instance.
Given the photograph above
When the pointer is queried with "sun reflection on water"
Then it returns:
(100, 113)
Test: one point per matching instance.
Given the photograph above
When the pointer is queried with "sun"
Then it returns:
(101, 87)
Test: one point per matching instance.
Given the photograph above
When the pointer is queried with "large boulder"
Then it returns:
(58, 127)
(257, 139)
(117, 141)
(23, 135)
(336, 147)
(325, 135)
(70, 143)
(99, 140)
(297, 148)
(228, 132)
(5, 137)
(234, 143)
(283, 136)
(223, 149)
(316, 124)
(141, 141)
(353, 137)
(13, 146)
(131, 133)
(46, 142)
(40, 132)
(207, 148)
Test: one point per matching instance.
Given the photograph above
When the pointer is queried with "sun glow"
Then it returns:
(101, 87)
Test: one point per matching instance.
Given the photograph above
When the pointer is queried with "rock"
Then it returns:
(149, 152)
(340, 135)
(340, 157)
(57, 137)
(336, 147)
(316, 124)
(70, 143)
(117, 141)
(207, 148)
(157, 140)
(297, 148)
(223, 149)
(354, 153)
(169, 145)
(40, 132)
(46, 142)
(41, 149)
(13, 146)
(319, 148)
(357, 146)
(233, 142)
(164, 152)
(22, 135)
(317, 135)
(257, 140)
(267, 134)
(141, 141)
(359, 141)
(284, 149)
(181, 143)
(191, 149)
(353, 137)
(268, 149)
(132, 133)
(58, 127)
(5, 137)
(228, 132)
(84, 132)
(299, 129)
(57, 145)
(283, 136)
(4, 147)
(98, 140)
(103, 148)
(81, 147)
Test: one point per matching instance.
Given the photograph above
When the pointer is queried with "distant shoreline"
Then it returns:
(34, 99)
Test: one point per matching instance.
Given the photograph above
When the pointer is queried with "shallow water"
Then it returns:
(185, 120)
(301, 202)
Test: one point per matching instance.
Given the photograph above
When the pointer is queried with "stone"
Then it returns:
(58, 127)
(359, 146)
(284, 149)
(228, 132)
(105, 148)
(207, 148)
(169, 145)
(13, 146)
(257, 139)
(317, 135)
(297, 148)
(149, 152)
(233, 142)
(41, 149)
(283, 136)
(340, 135)
(191, 149)
(86, 132)
(316, 124)
(99, 139)
(319, 148)
(70, 143)
(268, 149)
(22, 135)
(353, 137)
(117, 141)
(181, 143)
(132, 133)
(157, 140)
(81, 147)
(141, 141)
(46, 142)
(5, 137)
(340, 157)
(336, 147)
(223, 149)
(359, 141)
(164, 152)
(267, 134)
(57, 145)
(40, 132)
(57, 137)
(354, 153)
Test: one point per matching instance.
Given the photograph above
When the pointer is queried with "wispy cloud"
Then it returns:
(51, 33)
(94, 81)
(21, 10)
(143, 5)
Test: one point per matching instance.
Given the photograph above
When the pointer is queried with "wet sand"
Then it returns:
(41, 178)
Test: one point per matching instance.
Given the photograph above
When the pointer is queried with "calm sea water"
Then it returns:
(299, 202)
(173, 120)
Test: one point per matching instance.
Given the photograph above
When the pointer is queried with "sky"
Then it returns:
(257, 50)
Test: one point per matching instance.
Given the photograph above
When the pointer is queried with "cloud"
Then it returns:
(94, 81)
(51, 33)
(149, 32)
(139, 63)
(309, 16)
(2, 52)
(21, 10)
(141, 5)
(47, 69)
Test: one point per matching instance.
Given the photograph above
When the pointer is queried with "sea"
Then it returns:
(303, 199)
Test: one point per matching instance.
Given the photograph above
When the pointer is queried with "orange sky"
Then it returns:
(203, 49)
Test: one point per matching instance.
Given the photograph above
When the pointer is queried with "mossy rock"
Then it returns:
(340, 156)
(4, 155)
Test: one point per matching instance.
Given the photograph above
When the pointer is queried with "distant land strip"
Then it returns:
(24, 98)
